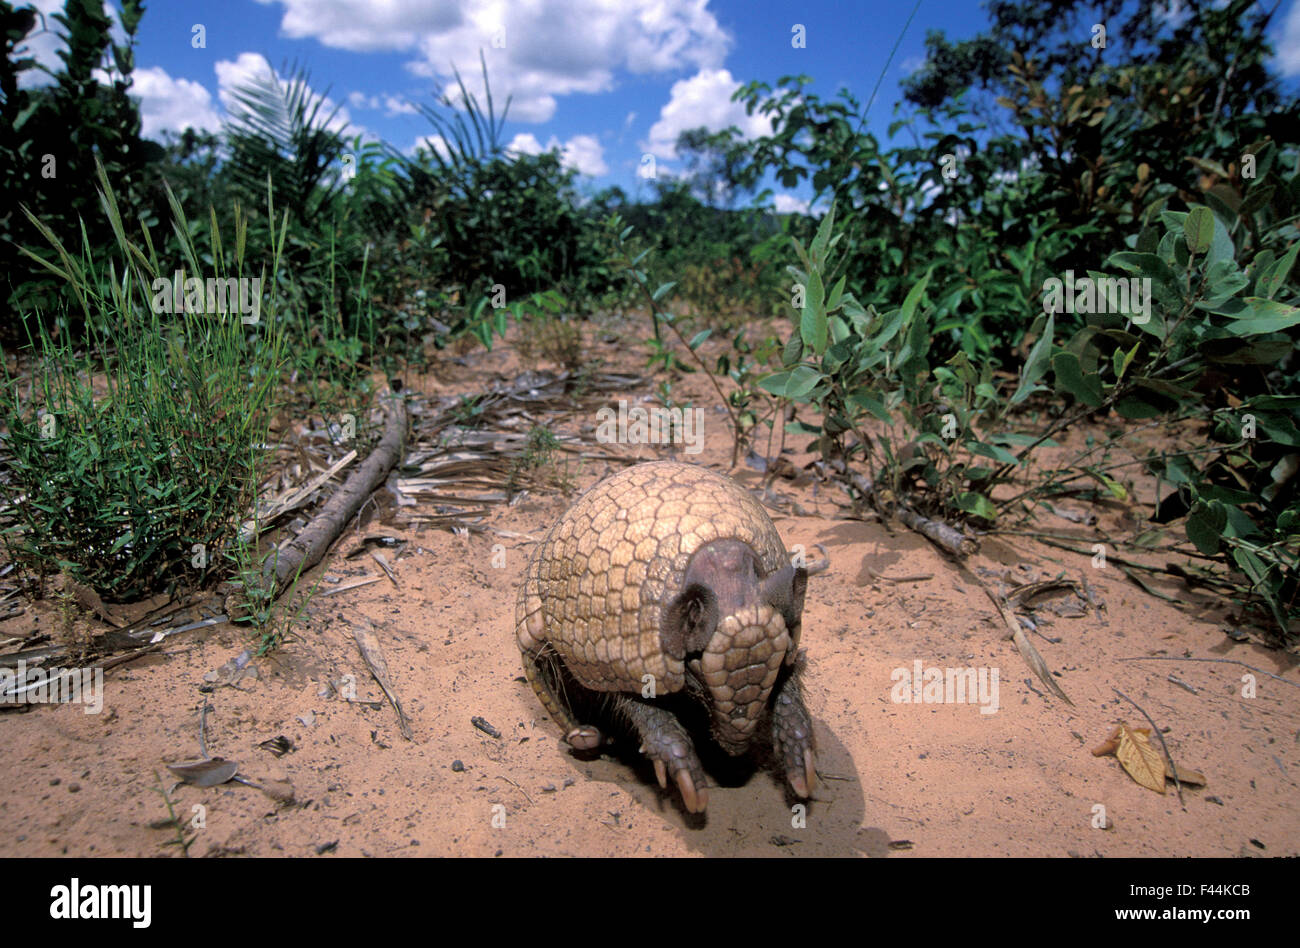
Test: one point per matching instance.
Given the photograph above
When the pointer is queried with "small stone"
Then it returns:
(457, 767)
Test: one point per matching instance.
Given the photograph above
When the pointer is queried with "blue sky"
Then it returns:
(607, 81)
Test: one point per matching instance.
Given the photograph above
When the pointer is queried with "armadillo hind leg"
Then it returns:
(792, 737)
(666, 743)
(546, 675)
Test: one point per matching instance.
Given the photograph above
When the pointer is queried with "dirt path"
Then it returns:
(899, 778)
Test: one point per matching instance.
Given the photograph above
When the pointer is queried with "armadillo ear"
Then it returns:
(689, 621)
(784, 590)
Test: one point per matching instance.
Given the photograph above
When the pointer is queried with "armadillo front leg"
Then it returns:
(665, 741)
(792, 735)
(543, 671)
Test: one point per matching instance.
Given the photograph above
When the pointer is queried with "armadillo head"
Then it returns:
(734, 625)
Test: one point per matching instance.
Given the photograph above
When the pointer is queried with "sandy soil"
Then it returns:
(897, 778)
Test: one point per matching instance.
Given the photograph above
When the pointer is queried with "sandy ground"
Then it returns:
(901, 779)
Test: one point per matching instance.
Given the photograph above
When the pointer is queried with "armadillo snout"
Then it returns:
(739, 666)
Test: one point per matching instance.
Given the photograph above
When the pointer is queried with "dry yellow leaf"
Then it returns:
(1108, 745)
(1188, 778)
(1142, 761)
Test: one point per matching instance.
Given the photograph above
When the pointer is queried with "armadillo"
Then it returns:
(664, 580)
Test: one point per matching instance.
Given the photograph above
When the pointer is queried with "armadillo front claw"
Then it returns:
(666, 743)
(792, 739)
(695, 800)
(679, 758)
(584, 737)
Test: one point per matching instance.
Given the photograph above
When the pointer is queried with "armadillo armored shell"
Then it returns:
(616, 592)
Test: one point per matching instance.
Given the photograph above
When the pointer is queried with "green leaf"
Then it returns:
(837, 292)
(699, 338)
(1260, 316)
(817, 252)
(1070, 377)
(975, 503)
(800, 427)
(1135, 408)
(1037, 362)
(793, 384)
(1273, 277)
(793, 351)
(914, 298)
(1205, 526)
(1221, 248)
(1231, 350)
(1227, 495)
(1211, 166)
(803, 254)
(873, 405)
(663, 290)
(1250, 565)
(1001, 455)
(1198, 229)
(812, 321)
(1115, 488)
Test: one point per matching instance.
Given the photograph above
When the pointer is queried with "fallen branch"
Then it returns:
(942, 535)
(308, 548)
(948, 538)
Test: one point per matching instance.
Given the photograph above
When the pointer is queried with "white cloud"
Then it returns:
(172, 105)
(1288, 44)
(367, 25)
(526, 143)
(789, 204)
(704, 99)
(581, 152)
(535, 51)
(397, 106)
(391, 104)
(584, 153)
